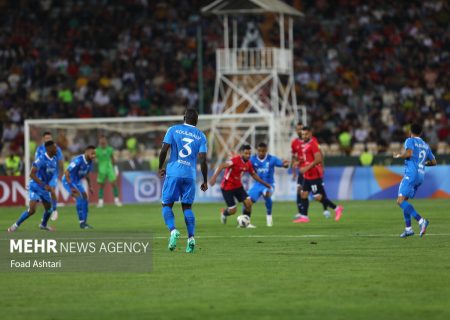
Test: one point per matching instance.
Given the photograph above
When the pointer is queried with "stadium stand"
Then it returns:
(361, 67)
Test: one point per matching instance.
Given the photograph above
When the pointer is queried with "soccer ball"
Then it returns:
(243, 220)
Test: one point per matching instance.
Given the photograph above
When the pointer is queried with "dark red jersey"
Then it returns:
(310, 148)
(232, 177)
(297, 150)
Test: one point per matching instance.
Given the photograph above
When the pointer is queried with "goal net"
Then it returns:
(141, 137)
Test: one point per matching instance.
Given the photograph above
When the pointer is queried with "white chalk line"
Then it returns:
(287, 236)
(311, 236)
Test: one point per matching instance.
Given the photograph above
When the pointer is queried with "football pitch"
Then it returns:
(357, 268)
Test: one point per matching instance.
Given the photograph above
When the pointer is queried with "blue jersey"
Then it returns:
(46, 168)
(265, 168)
(421, 152)
(79, 168)
(186, 142)
(41, 150)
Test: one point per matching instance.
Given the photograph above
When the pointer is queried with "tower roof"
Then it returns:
(240, 7)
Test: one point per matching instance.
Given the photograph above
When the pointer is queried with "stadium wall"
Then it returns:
(14, 193)
(341, 183)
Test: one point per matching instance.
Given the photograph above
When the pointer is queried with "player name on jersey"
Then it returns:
(187, 133)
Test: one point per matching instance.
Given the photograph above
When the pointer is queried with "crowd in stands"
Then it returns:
(364, 68)
(369, 68)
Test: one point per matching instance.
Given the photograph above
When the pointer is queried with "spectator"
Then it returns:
(366, 158)
(13, 165)
(154, 161)
(366, 63)
(135, 163)
(132, 145)
(10, 132)
(345, 141)
(361, 134)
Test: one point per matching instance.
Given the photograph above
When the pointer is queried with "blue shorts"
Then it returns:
(39, 194)
(77, 185)
(409, 186)
(54, 182)
(175, 189)
(258, 190)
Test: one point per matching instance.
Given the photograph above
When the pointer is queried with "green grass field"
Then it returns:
(357, 268)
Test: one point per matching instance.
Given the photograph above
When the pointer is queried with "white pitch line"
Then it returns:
(261, 236)
(310, 236)
(265, 236)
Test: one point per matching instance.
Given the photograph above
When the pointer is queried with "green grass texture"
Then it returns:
(357, 268)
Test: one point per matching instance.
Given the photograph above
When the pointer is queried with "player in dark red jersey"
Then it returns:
(296, 160)
(231, 184)
(312, 178)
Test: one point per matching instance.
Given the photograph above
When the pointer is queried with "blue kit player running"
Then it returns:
(47, 136)
(264, 165)
(79, 169)
(186, 142)
(42, 172)
(417, 155)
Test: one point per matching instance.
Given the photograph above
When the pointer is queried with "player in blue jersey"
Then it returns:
(186, 142)
(47, 136)
(79, 169)
(417, 155)
(42, 172)
(264, 165)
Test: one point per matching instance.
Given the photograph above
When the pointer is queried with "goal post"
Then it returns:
(225, 134)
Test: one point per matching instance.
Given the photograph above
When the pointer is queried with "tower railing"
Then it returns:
(257, 60)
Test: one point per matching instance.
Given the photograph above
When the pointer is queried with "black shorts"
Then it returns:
(229, 195)
(315, 186)
(300, 179)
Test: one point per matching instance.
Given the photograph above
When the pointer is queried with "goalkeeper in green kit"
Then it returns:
(106, 170)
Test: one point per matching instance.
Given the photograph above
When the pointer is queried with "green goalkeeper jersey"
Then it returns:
(104, 158)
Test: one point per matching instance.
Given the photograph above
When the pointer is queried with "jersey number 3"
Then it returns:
(186, 147)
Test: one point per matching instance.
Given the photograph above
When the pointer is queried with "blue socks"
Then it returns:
(54, 204)
(46, 216)
(85, 209)
(407, 218)
(82, 209)
(24, 216)
(408, 211)
(79, 202)
(269, 206)
(169, 218)
(189, 219)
